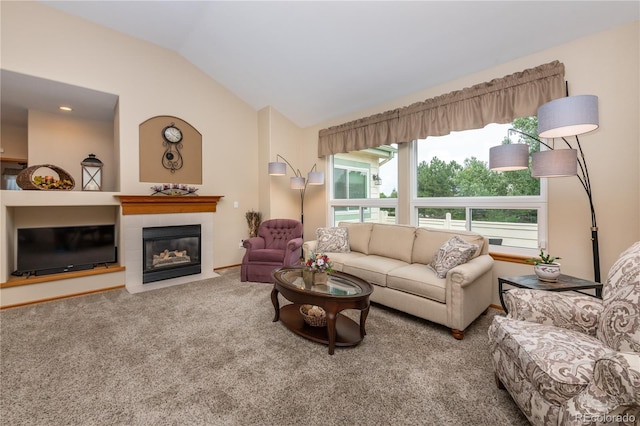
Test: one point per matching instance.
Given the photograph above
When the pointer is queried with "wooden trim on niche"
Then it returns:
(38, 279)
(13, 159)
(159, 204)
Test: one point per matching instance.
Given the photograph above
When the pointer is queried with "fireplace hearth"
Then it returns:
(170, 252)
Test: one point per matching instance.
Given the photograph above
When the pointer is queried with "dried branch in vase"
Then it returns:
(253, 221)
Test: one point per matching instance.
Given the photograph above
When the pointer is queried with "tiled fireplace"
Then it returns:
(165, 212)
(170, 252)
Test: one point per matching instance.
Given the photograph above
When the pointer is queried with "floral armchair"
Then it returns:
(570, 359)
(278, 243)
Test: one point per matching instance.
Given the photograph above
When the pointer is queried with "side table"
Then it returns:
(564, 283)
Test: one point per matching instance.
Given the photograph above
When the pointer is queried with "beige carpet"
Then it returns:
(208, 353)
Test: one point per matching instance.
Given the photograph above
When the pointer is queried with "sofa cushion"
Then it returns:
(454, 252)
(557, 362)
(429, 240)
(372, 268)
(393, 241)
(418, 279)
(359, 235)
(619, 325)
(337, 260)
(332, 240)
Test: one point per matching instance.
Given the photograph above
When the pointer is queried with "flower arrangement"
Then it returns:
(545, 259)
(318, 262)
(173, 189)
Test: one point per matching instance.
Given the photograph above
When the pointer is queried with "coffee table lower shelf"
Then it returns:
(347, 330)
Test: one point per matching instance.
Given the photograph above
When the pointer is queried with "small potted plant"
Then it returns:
(546, 267)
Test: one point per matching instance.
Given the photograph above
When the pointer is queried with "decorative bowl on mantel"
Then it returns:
(27, 180)
(174, 189)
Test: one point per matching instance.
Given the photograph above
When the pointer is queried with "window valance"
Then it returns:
(497, 101)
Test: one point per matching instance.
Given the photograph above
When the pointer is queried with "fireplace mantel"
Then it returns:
(162, 204)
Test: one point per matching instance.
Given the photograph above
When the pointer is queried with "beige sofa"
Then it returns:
(395, 259)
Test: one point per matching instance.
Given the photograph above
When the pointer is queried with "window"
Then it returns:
(349, 183)
(453, 187)
(364, 186)
(363, 214)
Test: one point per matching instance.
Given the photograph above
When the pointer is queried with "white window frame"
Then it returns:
(367, 173)
(353, 202)
(538, 203)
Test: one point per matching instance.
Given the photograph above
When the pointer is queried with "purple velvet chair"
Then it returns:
(278, 244)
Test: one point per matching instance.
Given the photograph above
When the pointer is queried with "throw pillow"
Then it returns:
(454, 252)
(332, 240)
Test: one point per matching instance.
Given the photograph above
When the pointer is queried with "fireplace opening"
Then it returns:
(170, 252)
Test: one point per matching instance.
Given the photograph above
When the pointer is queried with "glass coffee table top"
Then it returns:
(335, 286)
(341, 291)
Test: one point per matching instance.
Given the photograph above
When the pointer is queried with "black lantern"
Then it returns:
(91, 173)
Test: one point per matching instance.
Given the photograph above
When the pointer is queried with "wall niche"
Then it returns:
(155, 151)
(36, 131)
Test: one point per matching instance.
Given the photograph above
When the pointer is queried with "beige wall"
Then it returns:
(40, 41)
(31, 217)
(13, 140)
(606, 65)
(66, 141)
(284, 137)
(279, 135)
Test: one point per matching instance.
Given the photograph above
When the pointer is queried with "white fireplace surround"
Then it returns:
(131, 247)
(130, 213)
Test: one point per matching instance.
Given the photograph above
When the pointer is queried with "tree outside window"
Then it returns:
(452, 187)
(471, 187)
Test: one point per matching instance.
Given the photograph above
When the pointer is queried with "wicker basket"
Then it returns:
(313, 320)
(25, 178)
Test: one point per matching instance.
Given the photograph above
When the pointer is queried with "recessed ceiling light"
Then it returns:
(65, 108)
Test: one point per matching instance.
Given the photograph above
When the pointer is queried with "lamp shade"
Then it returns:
(554, 163)
(297, 183)
(277, 168)
(573, 115)
(509, 157)
(315, 178)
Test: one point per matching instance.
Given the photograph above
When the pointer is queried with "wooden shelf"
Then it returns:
(18, 281)
(13, 159)
(159, 204)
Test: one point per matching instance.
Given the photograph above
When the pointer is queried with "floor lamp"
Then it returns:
(560, 118)
(314, 177)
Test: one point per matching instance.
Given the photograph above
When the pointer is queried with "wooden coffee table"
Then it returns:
(342, 291)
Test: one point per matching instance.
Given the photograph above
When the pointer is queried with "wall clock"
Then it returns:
(172, 141)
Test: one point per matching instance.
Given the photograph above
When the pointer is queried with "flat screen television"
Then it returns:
(53, 250)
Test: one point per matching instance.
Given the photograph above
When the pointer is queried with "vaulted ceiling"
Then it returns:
(316, 60)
